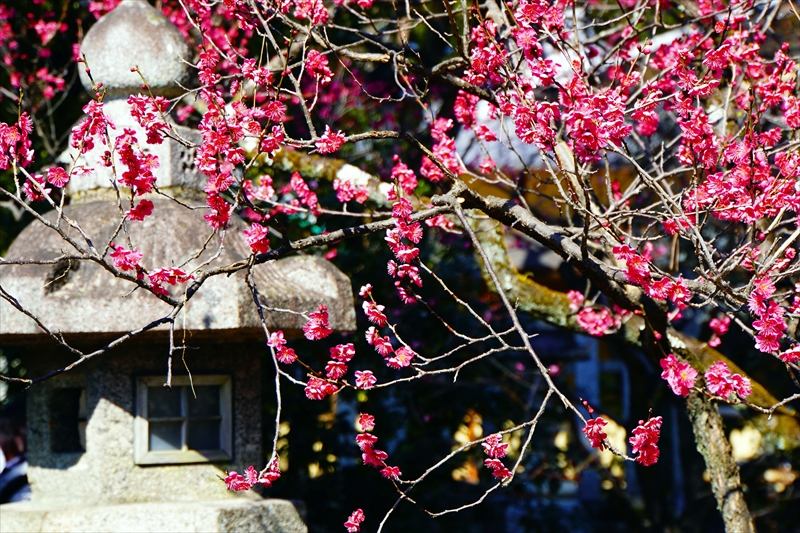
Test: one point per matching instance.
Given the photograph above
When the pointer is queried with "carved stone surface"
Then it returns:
(267, 516)
(135, 34)
(105, 472)
(78, 297)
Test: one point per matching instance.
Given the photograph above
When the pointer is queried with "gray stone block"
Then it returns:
(86, 298)
(242, 516)
(105, 472)
(135, 34)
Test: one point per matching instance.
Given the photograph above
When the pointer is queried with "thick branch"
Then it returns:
(607, 280)
(709, 434)
(552, 307)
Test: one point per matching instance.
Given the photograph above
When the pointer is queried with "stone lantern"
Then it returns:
(109, 447)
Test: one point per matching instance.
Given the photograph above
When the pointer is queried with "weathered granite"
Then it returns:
(85, 298)
(267, 516)
(176, 159)
(105, 473)
(135, 34)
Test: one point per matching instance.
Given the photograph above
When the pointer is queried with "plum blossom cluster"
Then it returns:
(317, 65)
(644, 442)
(374, 313)
(92, 128)
(264, 191)
(488, 57)
(722, 382)
(637, 270)
(262, 77)
(318, 389)
(317, 326)
(792, 355)
(329, 142)
(347, 190)
(397, 359)
(126, 259)
(33, 44)
(598, 322)
(594, 432)
(35, 188)
(336, 368)
(404, 177)
(594, 121)
(593, 428)
(534, 122)
(340, 354)
(444, 152)
(140, 211)
(726, 195)
(495, 448)
(353, 523)
(747, 189)
(405, 229)
(257, 237)
(222, 129)
(129, 260)
(15, 143)
(140, 165)
(680, 375)
(305, 196)
(283, 353)
(770, 324)
(148, 113)
(369, 455)
(719, 379)
(595, 320)
(466, 113)
(169, 276)
(719, 325)
(238, 482)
